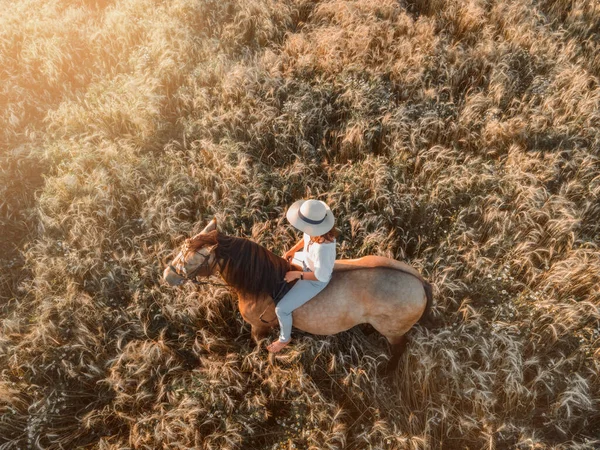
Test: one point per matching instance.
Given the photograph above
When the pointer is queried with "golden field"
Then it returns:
(461, 136)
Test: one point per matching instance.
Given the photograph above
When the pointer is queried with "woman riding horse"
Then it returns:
(388, 294)
(316, 261)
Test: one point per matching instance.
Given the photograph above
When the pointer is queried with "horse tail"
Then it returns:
(426, 316)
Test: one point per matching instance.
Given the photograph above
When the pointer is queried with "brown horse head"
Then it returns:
(246, 266)
(196, 257)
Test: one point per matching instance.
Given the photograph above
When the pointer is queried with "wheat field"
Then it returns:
(461, 136)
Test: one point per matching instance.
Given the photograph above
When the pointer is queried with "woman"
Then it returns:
(314, 218)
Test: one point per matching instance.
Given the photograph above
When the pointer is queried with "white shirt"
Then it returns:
(319, 258)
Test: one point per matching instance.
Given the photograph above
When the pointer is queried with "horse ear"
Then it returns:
(212, 225)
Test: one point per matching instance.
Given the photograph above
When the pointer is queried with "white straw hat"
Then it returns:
(313, 217)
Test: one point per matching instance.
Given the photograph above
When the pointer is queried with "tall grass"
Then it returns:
(462, 137)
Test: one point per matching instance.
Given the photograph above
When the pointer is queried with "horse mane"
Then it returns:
(247, 266)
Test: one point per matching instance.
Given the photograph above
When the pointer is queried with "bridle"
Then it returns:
(191, 277)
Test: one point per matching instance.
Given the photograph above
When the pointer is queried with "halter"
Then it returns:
(191, 277)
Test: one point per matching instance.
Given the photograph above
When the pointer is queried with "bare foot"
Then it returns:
(276, 346)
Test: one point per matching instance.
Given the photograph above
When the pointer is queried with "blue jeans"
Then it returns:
(302, 292)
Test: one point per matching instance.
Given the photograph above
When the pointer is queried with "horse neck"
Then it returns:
(270, 264)
(226, 271)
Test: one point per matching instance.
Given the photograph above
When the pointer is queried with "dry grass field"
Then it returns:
(461, 136)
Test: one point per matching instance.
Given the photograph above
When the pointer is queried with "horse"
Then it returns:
(388, 294)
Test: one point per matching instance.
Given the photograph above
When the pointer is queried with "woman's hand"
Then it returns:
(292, 275)
(289, 255)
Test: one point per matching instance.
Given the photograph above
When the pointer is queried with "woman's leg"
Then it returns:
(302, 292)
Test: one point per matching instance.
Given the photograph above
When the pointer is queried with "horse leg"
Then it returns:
(259, 333)
(397, 338)
(397, 345)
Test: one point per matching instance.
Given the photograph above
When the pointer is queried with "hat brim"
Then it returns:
(312, 230)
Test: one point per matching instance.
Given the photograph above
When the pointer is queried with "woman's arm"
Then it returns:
(299, 245)
(324, 263)
(295, 275)
(309, 276)
(290, 253)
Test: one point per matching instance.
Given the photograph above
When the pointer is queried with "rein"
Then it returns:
(191, 277)
(263, 320)
(210, 283)
(196, 282)
(283, 288)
